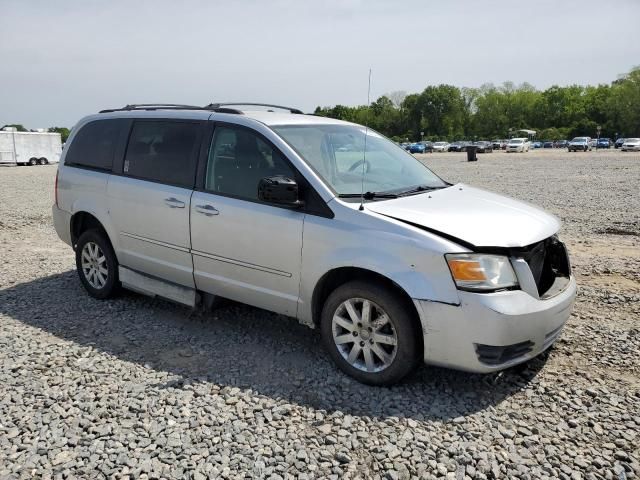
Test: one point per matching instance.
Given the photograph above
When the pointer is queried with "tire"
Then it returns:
(99, 285)
(43, 161)
(368, 365)
(33, 162)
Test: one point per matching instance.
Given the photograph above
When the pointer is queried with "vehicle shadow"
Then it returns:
(241, 346)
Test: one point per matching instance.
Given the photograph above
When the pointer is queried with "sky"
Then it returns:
(60, 61)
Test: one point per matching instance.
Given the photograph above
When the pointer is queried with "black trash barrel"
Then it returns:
(472, 151)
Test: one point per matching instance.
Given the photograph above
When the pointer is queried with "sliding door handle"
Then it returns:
(208, 210)
(174, 202)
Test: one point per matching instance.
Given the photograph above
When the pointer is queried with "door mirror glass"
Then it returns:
(280, 190)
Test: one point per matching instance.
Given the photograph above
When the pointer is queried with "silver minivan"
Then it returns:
(313, 218)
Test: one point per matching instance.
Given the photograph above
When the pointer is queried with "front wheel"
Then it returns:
(369, 333)
(97, 265)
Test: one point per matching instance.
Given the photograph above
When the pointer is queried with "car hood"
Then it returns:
(473, 216)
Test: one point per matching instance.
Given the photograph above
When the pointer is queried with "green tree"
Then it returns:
(63, 131)
(624, 104)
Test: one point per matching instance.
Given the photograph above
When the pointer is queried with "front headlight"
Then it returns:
(481, 272)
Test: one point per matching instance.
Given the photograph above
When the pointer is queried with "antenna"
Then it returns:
(364, 153)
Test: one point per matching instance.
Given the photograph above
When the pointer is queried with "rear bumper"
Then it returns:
(62, 224)
(490, 332)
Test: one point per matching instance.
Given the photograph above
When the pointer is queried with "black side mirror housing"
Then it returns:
(279, 190)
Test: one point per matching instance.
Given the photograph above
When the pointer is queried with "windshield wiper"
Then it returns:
(418, 189)
(368, 195)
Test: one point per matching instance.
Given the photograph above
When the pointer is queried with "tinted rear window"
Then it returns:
(163, 151)
(94, 145)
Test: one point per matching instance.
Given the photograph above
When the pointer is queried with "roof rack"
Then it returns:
(216, 107)
(219, 107)
(153, 106)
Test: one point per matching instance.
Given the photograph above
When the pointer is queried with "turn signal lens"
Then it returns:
(463, 269)
(481, 272)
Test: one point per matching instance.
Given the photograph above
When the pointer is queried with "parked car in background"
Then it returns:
(441, 147)
(428, 146)
(593, 143)
(418, 147)
(631, 145)
(580, 144)
(561, 144)
(603, 143)
(619, 142)
(547, 144)
(449, 275)
(536, 144)
(459, 146)
(518, 145)
(498, 144)
(484, 147)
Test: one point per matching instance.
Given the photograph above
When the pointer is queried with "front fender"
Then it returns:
(405, 259)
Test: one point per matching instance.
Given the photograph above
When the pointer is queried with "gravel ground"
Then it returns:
(142, 388)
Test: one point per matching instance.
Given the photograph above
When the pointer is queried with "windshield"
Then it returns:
(634, 140)
(440, 143)
(336, 153)
(515, 141)
(579, 139)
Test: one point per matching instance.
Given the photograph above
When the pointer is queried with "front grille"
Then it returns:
(497, 355)
(547, 261)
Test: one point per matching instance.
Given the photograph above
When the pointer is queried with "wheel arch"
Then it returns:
(339, 276)
(81, 222)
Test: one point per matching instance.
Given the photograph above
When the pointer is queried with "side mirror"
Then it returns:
(279, 190)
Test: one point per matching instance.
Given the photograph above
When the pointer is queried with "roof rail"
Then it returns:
(219, 107)
(153, 106)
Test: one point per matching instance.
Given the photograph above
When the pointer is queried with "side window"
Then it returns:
(163, 151)
(238, 159)
(93, 146)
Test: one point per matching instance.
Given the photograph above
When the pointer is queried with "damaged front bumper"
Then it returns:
(492, 331)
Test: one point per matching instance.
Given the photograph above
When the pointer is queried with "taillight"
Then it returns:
(55, 189)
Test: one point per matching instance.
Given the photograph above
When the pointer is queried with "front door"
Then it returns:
(149, 201)
(244, 249)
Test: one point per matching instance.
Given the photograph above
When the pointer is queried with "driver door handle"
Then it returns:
(208, 210)
(174, 202)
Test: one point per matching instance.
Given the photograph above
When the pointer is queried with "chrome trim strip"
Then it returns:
(208, 255)
(155, 242)
(241, 264)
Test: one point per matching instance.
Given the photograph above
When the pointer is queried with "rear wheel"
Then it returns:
(43, 161)
(97, 264)
(370, 333)
(33, 161)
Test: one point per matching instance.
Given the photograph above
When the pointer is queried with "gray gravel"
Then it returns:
(141, 388)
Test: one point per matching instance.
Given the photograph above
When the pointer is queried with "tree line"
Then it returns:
(447, 112)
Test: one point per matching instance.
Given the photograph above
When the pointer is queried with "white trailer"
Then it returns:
(29, 148)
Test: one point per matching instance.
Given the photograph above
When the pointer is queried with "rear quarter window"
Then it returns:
(94, 145)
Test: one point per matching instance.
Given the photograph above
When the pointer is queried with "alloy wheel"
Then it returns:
(94, 265)
(364, 335)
